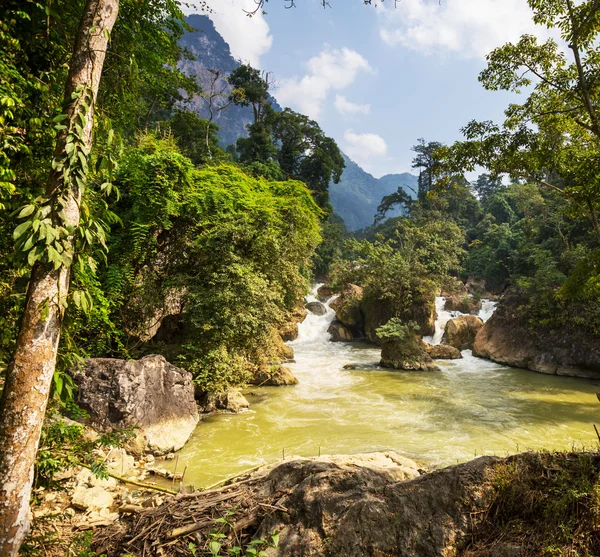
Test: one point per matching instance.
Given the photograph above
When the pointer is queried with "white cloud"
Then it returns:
(468, 28)
(363, 148)
(347, 108)
(332, 69)
(248, 37)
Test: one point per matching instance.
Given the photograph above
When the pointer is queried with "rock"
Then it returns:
(86, 478)
(274, 376)
(355, 511)
(231, 401)
(408, 354)
(120, 463)
(463, 304)
(289, 328)
(453, 287)
(508, 338)
(339, 332)
(317, 308)
(461, 331)
(325, 293)
(443, 352)
(95, 519)
(347, 309)
(150, 394)
(378, 312)
(91, 498)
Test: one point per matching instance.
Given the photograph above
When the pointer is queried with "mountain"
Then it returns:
(210, 51)
(358, 193)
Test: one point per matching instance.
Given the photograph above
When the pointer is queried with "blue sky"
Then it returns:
(378, 78)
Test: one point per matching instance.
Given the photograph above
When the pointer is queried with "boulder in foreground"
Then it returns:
(337, 506)
(150, 394)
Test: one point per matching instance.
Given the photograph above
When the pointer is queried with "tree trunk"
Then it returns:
(29, 376)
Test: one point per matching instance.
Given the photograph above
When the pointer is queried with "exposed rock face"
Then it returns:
(461, 331)
(348, 310)
(508, 339)
(408, 354)
(289, 329)
(443, 352)
(464, 304)
(274, 376)
(150, 394)
(325, 293)
(453, 287)
(378, 312)
(339, 332)
(231, 401)
(358, 512)
(317, 308)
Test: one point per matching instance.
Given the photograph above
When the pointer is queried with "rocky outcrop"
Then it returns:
(339, 332)
(231, 401)
(463, 304)
(149, 394)
(381, 505)
(507, 338)
(408, 354)
(348, 309)
(316, 307)
(443, 352)
(453, 287)
(274, 376)
(378, 312)
(461, 331)
(289, 329)
(325, 293)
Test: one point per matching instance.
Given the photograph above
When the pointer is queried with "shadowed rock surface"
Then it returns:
(150, 393)
(509, 339)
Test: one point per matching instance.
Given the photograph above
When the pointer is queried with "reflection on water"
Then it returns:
(471, 407)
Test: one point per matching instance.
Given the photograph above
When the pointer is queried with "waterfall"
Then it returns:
(314, 327)
(443, 316)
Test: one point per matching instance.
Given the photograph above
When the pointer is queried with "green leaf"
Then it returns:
(26, 211)
(21, 229)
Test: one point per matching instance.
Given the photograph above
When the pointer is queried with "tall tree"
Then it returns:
(251, 88)
(425, 161)
(29, 376)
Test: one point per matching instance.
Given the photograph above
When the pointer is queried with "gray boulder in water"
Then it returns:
(317, 308)
(150, 394)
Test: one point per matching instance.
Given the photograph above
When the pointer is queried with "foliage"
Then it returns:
(233, 250)
(396, 329)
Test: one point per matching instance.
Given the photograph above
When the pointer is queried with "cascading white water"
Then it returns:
(470, 407)
(443, 316)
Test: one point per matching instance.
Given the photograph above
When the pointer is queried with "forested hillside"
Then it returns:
(355, 198)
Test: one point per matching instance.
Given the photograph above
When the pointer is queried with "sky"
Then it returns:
(378, 78)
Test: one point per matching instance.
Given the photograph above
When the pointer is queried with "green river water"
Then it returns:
(472, 407)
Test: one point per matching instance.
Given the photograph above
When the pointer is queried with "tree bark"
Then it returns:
(29, 377)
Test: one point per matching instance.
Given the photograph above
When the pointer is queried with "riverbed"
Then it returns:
(472, 407)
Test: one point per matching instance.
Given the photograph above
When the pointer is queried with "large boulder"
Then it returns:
(274, 376)
(317, 308)
(461, 331)
(463, 304)
(508, 338)
(348, 310)
(443, 352)
(407, 354)
(231, 401)
(339, 332)
(325, 293)
(378, 311)
(152, 395)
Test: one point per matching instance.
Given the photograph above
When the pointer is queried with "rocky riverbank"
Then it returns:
(380, 505)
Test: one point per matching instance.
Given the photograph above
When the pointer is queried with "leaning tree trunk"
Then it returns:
(29, 376)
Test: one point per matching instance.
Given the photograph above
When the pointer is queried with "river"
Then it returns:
(472, 407)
